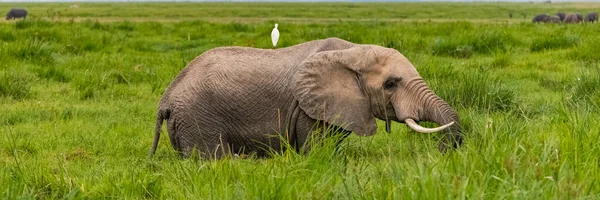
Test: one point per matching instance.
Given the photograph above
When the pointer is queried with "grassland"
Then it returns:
(298, 12)
(78, 101)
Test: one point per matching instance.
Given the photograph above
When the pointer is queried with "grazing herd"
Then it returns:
(570, 18)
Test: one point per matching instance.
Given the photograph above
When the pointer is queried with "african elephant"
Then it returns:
(541, 18)
(561, 16)
(591, 17)
(240, 99)
(579, 17)
(554, 19)
(572, 19)
(16, 13)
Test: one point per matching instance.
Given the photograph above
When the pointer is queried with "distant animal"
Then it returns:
(541, 18)
(579, 17)
(247, 100)
(555, 19)
(572, 19)
(561, 15)
(592, 17)
(16, 13)
(510, 15)
(275, 35)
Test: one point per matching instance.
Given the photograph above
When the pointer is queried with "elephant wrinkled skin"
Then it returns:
(240, 99)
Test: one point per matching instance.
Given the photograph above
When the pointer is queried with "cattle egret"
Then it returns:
(275, 35)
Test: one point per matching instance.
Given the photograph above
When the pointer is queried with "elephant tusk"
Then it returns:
(418, 128)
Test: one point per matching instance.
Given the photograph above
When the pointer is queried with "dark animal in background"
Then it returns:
(510, 15)
(579, 17)
(555, 19)
(16, 13)
(561, 16)
(592, 17)
(541, 18)
(572, 19)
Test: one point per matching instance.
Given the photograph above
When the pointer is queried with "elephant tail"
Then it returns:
(163, 114)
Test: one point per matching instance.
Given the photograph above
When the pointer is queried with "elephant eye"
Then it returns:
(390, 83)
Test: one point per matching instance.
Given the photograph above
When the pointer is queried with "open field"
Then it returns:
(298, 12)
(78, 101)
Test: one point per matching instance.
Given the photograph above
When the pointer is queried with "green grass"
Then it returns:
(299, 12)
(78, 102)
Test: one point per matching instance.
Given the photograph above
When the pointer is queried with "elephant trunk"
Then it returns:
(437, 110)
(434, 109)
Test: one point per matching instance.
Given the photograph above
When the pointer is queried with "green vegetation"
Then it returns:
(78, 101)
(298, 12)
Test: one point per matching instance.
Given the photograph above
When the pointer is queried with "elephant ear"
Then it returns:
(326, 86)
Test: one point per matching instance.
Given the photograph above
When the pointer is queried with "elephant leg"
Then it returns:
(189, 138)
(207, 148)
(309, 133)
(173, 136)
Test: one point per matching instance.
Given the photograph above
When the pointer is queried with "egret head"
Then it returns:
(276, 25)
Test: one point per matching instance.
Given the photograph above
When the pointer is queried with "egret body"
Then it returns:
(275, 35)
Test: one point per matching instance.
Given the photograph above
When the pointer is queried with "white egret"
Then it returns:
(275, 35)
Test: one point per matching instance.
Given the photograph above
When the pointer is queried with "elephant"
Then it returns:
(231, 100)
(541, 18)
(555, 19)
(16, 13)
(579, 17)
(591, 17)
(572, 19)
(561, 16)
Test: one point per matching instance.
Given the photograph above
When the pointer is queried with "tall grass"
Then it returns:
(78, 102)
(584, 88)
(15, 85)
(555, 41)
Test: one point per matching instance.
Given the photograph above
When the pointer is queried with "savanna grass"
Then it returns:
(79, 91)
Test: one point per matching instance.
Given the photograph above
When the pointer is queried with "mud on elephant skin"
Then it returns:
(243, 100)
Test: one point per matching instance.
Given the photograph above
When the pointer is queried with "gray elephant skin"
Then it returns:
(16, 13)
(561, 16)
(579, 17)
(244, 100)
(573, 18)
(592, 17)
(555, 19)
(541, 18)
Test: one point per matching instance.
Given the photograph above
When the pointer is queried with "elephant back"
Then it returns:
(572, 18)
(17, 13)
(541, 18)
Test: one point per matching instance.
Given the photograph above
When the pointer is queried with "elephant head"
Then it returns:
(352, 87)
(561, 15)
